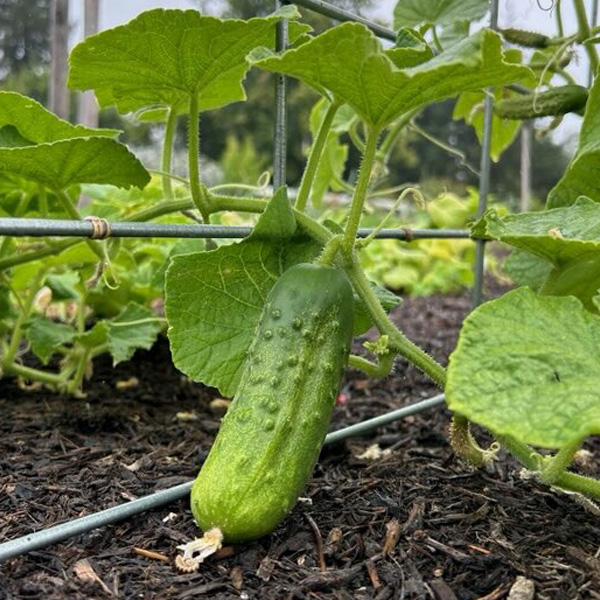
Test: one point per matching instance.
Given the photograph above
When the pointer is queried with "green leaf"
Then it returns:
(362, 318)
(94, 337)
(38, 125)
(528, 366)
(558, 235)
(164, 57)
(45, 336)
(60, 164)
(410, 13)
(277, 222)
(11, 138)
(581, 177)
(411, 49)
(348, 64)
(333, 160)
(63, 286)
(454, 32)
(330, 170)
(213, 301)
(407, 37)
(469, 107)
(528, 269)
(134, 327)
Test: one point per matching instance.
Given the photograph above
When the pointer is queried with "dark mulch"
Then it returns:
(461, 534)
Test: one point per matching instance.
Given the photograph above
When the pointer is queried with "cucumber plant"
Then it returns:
(269, 319)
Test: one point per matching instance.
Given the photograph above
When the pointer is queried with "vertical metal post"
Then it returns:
(280, 141)
(484, 179)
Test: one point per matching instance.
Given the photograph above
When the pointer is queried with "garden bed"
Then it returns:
(462, 534)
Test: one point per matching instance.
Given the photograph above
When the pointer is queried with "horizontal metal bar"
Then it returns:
(64, 531)
(340, 14)
(73, 228)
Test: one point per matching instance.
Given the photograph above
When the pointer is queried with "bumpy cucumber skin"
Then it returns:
(271, 436)
(522, 37)
(557, 101)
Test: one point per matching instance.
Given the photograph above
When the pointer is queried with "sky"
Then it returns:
(525, 14)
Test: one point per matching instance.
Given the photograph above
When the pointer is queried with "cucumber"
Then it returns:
(557, 101)
(271, 436)
(522, 37)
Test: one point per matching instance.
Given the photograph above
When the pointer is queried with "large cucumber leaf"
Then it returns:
(528, 366)
(36, 145)
(37, 125)
(348, 64)
(566, 239)
(60, 164)
(558, 235)
(164, 57)
(409, 13)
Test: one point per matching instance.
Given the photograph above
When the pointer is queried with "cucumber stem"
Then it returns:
(72, 211)
(465, 445)
(398, 341)
(15, 339)
(585, 33)
(167, 153)
(381, 369)
(199, 192)
(315, 155)
(556, 465)
(360, 192)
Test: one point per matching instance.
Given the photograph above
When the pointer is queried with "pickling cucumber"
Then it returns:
(522, 37)
(272, 434)
(554, 102)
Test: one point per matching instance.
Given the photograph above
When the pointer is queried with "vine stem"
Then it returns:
(43, 200)
(315, 155)
(167, 153)
(72, 211)
(398, 341)
(465, 445)
(199, 194)
(15, 339)
(360, 192)
(33, 374)
(372, 369)
(585, 33)
(556, 466)
(391, 136)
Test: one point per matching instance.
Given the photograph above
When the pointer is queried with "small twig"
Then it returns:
(373, 575)
(318, 541)
(150, 554)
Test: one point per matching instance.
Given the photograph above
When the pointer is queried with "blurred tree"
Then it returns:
(24, 41)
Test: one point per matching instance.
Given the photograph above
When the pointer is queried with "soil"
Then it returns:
(413, 523)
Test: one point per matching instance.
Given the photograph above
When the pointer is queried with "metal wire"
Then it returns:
(280, 135)
(333, 12)
(63, 531)
(484, 179)
(127, 229)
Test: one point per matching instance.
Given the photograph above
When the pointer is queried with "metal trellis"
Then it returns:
(72, 228)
